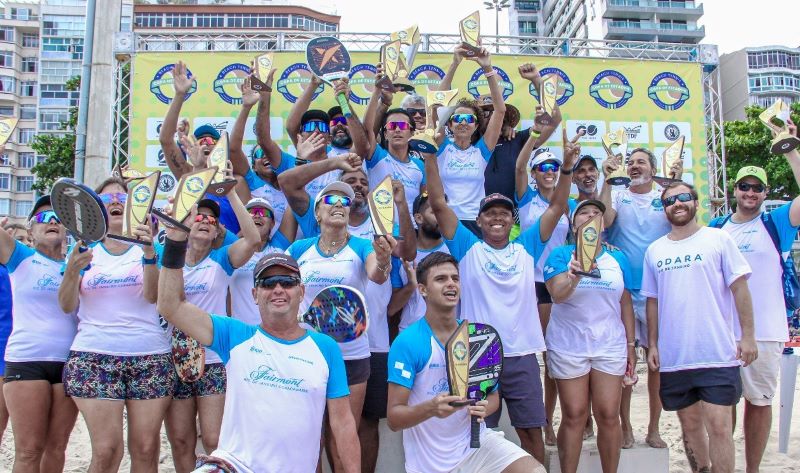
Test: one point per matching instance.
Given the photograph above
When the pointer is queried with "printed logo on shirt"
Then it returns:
(492, 268)
(657, 204)
(191, 289)
(440, 387)
(313, 277)
(47, 282)
(456, 165)
(103, 280)
(678, 262)
(401, 367)
(265, 375)
(549, 269)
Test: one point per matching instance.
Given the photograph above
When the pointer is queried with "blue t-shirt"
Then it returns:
(5, 312)
(226, 215)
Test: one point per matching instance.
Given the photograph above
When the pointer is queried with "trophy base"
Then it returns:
(619, 181)
(665, 181)
(595, 273)
(385, 83)
(169, 221)
(221, 188)
(402, 84)
(259, 86)
(784, 143)
(471, 50)
(422, 145)
(543, 120)
(129, 239)
(461, 403)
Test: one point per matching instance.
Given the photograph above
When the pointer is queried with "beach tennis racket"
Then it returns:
(339, 312)
(485, 367)
(80, 210)
(329, 60)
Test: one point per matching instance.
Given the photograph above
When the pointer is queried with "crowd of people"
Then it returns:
(485, 232)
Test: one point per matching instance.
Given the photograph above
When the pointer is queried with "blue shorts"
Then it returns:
(681, 389)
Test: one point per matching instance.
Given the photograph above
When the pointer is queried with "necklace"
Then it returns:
(332, 246)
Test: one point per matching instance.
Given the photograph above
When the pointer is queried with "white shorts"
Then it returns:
(760, 378)
(496, 454)
(563, 366)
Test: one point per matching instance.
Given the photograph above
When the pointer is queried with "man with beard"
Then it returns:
(585, 178)
(635, 218)
(763, 238)
(695, 281)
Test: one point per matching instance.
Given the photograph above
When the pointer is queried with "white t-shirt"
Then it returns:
(416, 306)
(462, 176)
(498, 287)
(41, 330)
(589, 322)
(113, 316)
(417, 363)
(531, 207)
(410, 173)
(346, 267)
(766, 286)
(283, 383)
(691, 279)
(276, 198)
(243, 307)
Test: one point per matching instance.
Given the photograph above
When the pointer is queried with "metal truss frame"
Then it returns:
(508, 45)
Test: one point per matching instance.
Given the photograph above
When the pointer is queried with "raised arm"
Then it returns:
(495, 126)
(69, 291)
(150, 283)
(407, 247)
(447, 80)
(263, 129)
(448, 221)
(377, 107)
(528, 71)
(558, 203)
(521, 167)
(379, 263)
(609, 166)
(562, 286)
(361, 144)
(175, 160)
(793, 158)
(288, 226)
(241, 250)
(7, 242)
(294, 180)
(300, 107)
(401, 296)
(236, 155)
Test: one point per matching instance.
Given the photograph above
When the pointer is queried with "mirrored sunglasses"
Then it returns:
(261, 212)
(463, 118)
(398, 126)
(548, 167)
(338, 121)
(210, 219)
(333, 199)
(315, 125)
(110, 197)
(683, 197)
(45, 216)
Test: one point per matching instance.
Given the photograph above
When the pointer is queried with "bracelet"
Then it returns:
(536, 133)
(149, 261)
(565, 172)
(489, 74)
(385, 269)
(174, 256)
(631, 344)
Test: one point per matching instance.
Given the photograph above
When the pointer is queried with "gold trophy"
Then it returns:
(263, 64)
(588, 244)
(218, 158)
(672, 154)
(470, 30)
(410, 38)
(776, 118)
(618, 140)
(547, 97)
(401, 80)
(457, 362)
(191, 188)
(125, 173)
(141, 194)
(381, 208)
(7, 126)
(390, 58)
(424, 141)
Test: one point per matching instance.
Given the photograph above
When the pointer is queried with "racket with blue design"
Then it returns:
(339, 312)
(485, 367)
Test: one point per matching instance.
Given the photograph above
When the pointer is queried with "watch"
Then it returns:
(146, 261)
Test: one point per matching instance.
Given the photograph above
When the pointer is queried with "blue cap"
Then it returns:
(206, 130)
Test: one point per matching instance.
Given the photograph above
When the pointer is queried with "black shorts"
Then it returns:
(357, 371)
(49, 371)
(720, 386)
(542, 294)
(377, 387)
(472, 226)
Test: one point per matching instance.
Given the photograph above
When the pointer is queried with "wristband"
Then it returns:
(565, 172)
(174, 256)
(535, 132)
(489, 74)
(149, 261)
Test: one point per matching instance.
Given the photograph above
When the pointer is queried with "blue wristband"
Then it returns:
(146, 261)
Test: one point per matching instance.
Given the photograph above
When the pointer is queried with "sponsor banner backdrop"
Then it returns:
(655, 102)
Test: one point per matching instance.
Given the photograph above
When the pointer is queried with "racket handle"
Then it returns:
(475, 433)
(345, 104)
(82, 249)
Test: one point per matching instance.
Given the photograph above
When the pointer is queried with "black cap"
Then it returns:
(584, 203)
(275, 259)
(495, 199)
(211, 205)
(315, 114)
(334, 111)
(40, 202)
(420, 200)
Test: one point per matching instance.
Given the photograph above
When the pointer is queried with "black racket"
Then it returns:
(329, 60)
(339, 312)
(80, 210)
(485, 366)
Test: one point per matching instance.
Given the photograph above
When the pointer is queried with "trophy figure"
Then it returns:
(776, 117)
(616, 146)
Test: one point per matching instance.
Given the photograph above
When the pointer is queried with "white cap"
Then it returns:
(258, 202)
(335, 186)
(545, 156)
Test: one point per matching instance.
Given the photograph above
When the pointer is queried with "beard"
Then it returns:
(343, 141)
(588, 190)
(640, 180)
(684, 219)
(430, 231)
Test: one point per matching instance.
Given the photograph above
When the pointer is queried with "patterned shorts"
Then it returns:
(97, 376)
(213, 382)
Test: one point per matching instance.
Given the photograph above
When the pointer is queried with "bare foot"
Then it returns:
(588, 431)
(654, 440)
(627, 437)
(549, 436)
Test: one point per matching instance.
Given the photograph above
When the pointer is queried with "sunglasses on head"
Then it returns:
(316, 125)
(333, 199)
(744, 187)
(683, 197)
(207, 140)
(261, 212)
(210, 219)
(338, 121)
(391, 126)
(285, 281)
(45, 216)
(414, 111)
(463, 118)
(547, 167)
(110, 197)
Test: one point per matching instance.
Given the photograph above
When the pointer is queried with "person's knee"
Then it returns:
(107, 455)
(692, 424)
(605, 415)
(144, 447)
(719, 425)
(180, 444)
(574, 414)
(525, 464)
(210, 441)
(29, 454)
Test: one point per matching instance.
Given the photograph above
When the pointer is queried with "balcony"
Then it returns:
(527, 6)
(648, 31)
(675, 10)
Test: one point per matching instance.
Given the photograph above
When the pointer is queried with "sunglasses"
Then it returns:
(547, 167)
(270, 282)
(414, 111)
(333, 199)
(261, 212)
(315, 125)
(45, 216)
(683, 197)
(207, 140)
(391, 126)
(338, 121)
(744, 187)
(210, 219)
(110, 197)
(463, 118)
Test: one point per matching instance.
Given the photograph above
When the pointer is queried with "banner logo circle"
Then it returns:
(477, 80)
(164, 77)
(668, 91)
(611, 89)
(565, 87)
(294, 79)
(229, 81)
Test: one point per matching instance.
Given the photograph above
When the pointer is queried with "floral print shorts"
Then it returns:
(212, 382)
(98, 376)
